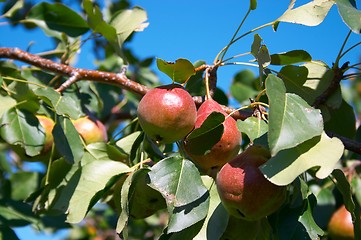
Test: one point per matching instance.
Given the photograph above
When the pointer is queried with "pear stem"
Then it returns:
(206, 82)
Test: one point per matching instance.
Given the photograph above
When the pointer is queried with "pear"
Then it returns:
(91, 130)
(340, 226)
(167, 113)
(48, 125)
(225, 149)
(243, 189)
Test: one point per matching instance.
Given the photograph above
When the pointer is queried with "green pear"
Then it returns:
(243, 189)
(91, 130)
(167, 113)
(225, 149)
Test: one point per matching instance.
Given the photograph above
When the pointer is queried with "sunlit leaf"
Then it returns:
(202, 139)
(291, 120)
(320, 153)
(309, 14)
(256, 45)
(93, 178)
(253, 127)
(12, 11)
(313, 230)
(97, 23)
(350, 14)
(127, 142)
(291, 57)
(127, 21)
(59, 17)
(179, 182)
(179, 71)
(20, 127)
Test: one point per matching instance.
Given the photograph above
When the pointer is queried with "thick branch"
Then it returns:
(75, 74)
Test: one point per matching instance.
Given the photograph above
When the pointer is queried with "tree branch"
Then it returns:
(120, 80)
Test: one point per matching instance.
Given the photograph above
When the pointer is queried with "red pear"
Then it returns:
(48, 125)
(91, 130)
(167, 113)
(243, 189)
(340, 226)
(226, 148)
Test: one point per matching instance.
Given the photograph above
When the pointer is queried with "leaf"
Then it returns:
(127, 142)
(97, 23)
(256, 45)
(313, 230)
(214, 224)
(23, 184)
(291, 120)
(59, 17)
(350, 14)
(253, 127)
(63, 105)
(320, 153)
(179, 71)
(344, 187)
(291, 57)
(93, 178)
(309, 14)
(67, 140)
(202, 139)
(253, 4)
(242, 87)
(105, 151)
(187, 198)
(124, 214)
(20, 127)
(127, 21)
(12, 11)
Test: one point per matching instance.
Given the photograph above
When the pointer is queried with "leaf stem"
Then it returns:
(340, 53)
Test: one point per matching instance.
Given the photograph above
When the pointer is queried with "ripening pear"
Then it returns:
(167, 113)
(340, 226)
(48, 125)
(225, 149)
(91, 130)
(243, 189)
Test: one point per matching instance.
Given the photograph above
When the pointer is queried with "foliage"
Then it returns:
(294, 107)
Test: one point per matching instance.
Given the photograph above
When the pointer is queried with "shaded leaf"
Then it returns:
(256, 45)
(253, 4)
(127, 142)
(350, 14)
(179, 182)
(291, 120)
(179, 71)
(344, 187)
(12, 11)
(309, 14)
(320, 153)
(20, 127)
(127, 21)
(313, 230)
(202, 139)
(59, 17)
(291, 57)
(23, 184)
(67, 140)
(253, 127)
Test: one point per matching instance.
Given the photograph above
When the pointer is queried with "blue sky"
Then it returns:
(198, 30)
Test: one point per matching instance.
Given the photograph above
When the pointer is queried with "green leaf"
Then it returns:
(256, 45)
(242, 87)
(127, 21)
(20, 127)
(127, 142)
(179, 71)
(350, 14)
(291, 57)
(59, 17)
(253, 127)
(93, 178)
(7, 102)
(97, 23)
(67, 140)
(214, 224)
(309, 81)
(63, 104)
(320, 153)
(291, 120)
(344, 187)
(309, 14)
(12, 11)
(7, 233)
(124, 203)
(313, 230)
(187, 198)
(23, 184)
(105, 151)
(202, 139)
